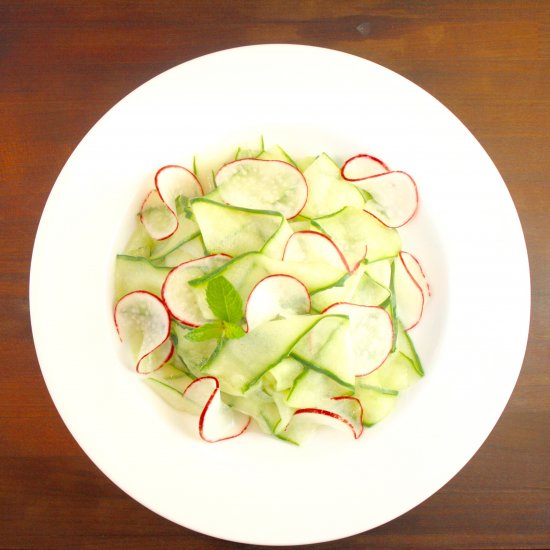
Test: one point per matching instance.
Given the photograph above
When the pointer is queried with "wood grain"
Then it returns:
(64, 63)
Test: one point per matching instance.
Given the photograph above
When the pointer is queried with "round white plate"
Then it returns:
(257, 489)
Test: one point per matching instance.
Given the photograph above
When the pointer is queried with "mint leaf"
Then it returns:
(224, 301)
(232, 331)
(209, 331)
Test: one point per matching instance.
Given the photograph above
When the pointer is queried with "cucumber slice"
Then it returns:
(186, 231)
(397, 373)
(376, 404)
(239, 364)
(312, 388)
(169, 383)
(260, 406)
(369, 293)
(380, 272)
(185, 252)
(263, 185)
(328, 191)
(370, 334)
(140, 242)
(276, 153)
(282, 376)
(236, 230)
(325, 348)
(194, 355)
(137, 273)
(405, 345)
(245, 271)
(352, 228)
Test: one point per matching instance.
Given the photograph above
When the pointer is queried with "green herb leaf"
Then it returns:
(209, 331)
(233, 331)
(224, 301)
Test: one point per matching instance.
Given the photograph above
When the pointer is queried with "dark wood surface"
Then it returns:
(64, 63)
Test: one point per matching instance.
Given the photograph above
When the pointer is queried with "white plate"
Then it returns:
(256, 489)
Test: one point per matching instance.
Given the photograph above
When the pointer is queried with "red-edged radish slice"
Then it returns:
(394, 197)
(339, 412)
(159, 221)
(276, 297)
(142, 321)
(158, 212)
(186, 303)
(173, 181)
(263, 185)
(408, 292)
(311, 246)
(415, 269)
(217, 420)
(362, 166)
(371, 335)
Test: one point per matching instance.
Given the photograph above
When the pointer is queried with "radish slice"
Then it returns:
(174, 181)
(156, 217)
(362, 166)
(143, 322)
(313, 247)
(186, 303)
(339, 412)
(264, 185)
(158, 212)
(276, 297)
(409, 295)
(394, 197)
(371, 335)
(217, 421)
(415, 269)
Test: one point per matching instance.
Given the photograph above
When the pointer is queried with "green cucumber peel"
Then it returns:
(378, 389)
(415, 359)
(393, 304)
(313, 366)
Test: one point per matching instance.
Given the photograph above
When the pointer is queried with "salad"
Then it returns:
(274, 291)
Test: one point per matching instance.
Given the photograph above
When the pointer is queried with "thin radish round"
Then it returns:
(156, 217)
(158, 212)
(217, 420)
(311, 246)
(394, 197)
(409, 295)
(173, 181)
(362, 166)
(264, 185)
(187, 303)
(343, 413)
(370, 333)
(276, 297)
(142, 322)
(415, 269)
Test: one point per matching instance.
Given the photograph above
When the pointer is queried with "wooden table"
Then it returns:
(64, 63)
